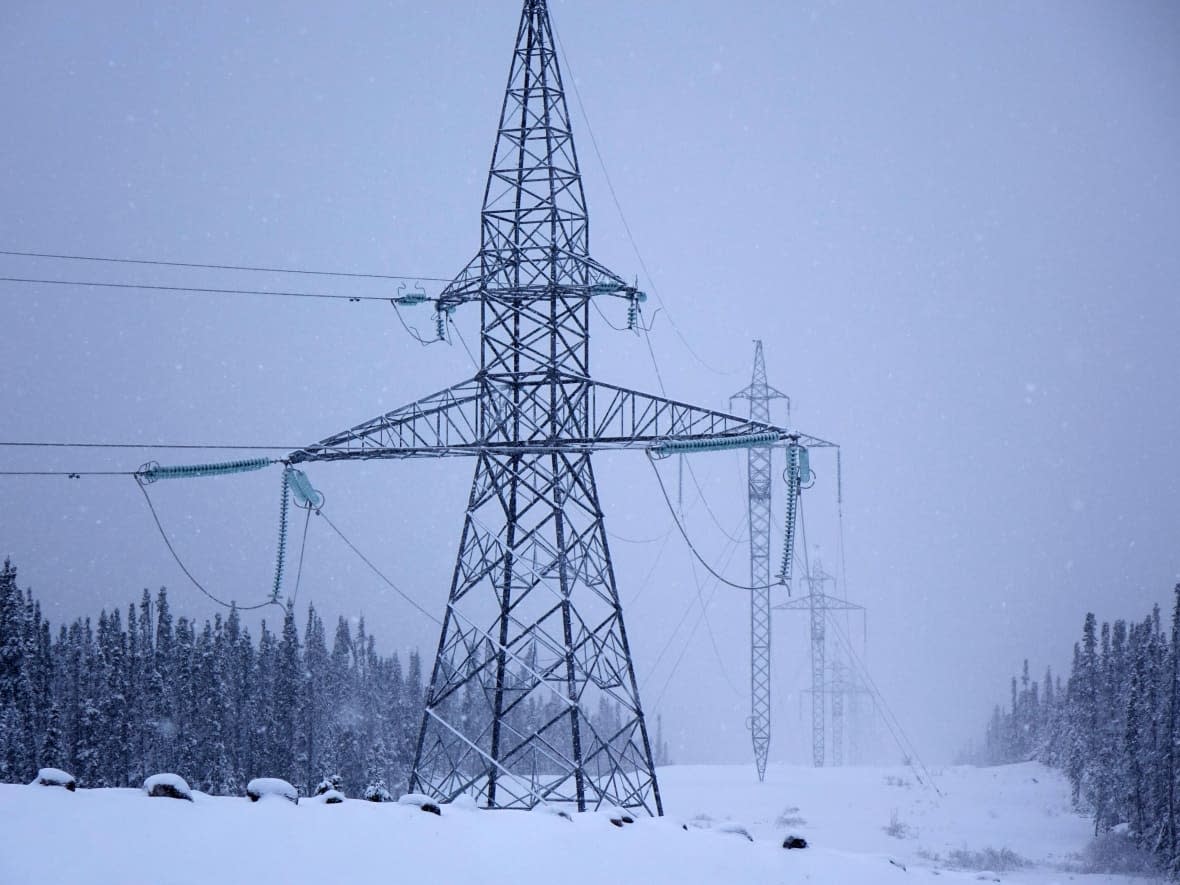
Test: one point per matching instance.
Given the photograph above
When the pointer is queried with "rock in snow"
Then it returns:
(794, 842)
(555, 810)
(420, 800)
(265, 787)
(330, 797)
(618, 816)
(331, 783)
(734, 829)
(55, 777)
(169, 786)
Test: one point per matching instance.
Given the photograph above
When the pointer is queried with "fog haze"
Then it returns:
(954, 226)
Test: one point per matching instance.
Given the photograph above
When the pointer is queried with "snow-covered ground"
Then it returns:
(864, 826)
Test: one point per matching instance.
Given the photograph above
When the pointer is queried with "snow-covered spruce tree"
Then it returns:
(265, 758)
(238, 675)
(114, 752)
(52, 751)
(315, 704)
(134, 689)
(16, 684)
(1170, 845)
(188, 717)
(162, 691)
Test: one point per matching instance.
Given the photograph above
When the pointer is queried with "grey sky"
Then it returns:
(954, 225)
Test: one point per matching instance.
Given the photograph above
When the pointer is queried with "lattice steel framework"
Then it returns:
(533, 640)
(837, 687)
(758, 468)
(817, 604)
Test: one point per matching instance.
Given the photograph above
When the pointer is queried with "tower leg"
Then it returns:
(533, 641)
(759, 515)
(817, 685)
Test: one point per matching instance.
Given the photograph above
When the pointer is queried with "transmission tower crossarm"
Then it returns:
(440, 424)
(819, 600)
(482, 278)
(759, 392)
(472, 418)
(625, 418)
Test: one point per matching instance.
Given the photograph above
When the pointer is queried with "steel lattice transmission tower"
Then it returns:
(758, 466)
(532, 638)
(817, 604)
(837, 686)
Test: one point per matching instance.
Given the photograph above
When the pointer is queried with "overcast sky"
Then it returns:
(954, 225)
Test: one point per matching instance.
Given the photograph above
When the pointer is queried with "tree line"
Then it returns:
(143, 692)
(1113, 728)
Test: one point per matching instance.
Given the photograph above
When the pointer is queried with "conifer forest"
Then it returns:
(146, 691)
(1112, 728)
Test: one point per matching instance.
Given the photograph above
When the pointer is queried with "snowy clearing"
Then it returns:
(863, 826)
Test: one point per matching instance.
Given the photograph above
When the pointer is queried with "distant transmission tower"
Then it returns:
(817, 604)
(758, 463)
(836, 687)
(532, 637)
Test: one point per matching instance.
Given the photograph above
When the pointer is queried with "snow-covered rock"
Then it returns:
(330, 797)
(55, 777)
(332, 783)
(268, 787)
(618, 816)
(463, 802)
(735, 829)
(169, 786)
(794, 842)
(555, 810)
(420, 800)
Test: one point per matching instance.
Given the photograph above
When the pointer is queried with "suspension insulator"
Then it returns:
(152, 471)
(797, 456)
(281, 552)
(716, 443)
(305, 496)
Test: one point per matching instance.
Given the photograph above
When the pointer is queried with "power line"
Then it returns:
(692, 473)
(94, 445)
(892, 723)
(193, 289)
(691, 634)
(727, 554)
(380, 574)
(650, 540)
(463, 341)
(623, 218)
(709, 629)
(288, 270)
(688, 541)
(184, 568)
(71, 474)
(302, 550)
(495, 643)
